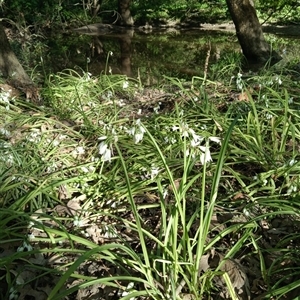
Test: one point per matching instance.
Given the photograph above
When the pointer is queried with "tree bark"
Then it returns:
(125, 14)
(249, 32)
(9, 64)
(12, 70)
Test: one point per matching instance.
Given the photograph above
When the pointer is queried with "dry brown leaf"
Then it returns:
(95, 233)
(203, 265)
(236, 274)
(243, 97)
(74, 206)
(63, 192)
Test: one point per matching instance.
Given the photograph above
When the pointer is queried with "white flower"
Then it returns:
(4, 132)
(108, 95)
(239, 81)
(246, 212)
(205, 156)
(62, 137)
(88, 76)
(194, 143)
(78, 222)
(113, 203)
(125, 84)
(138, 137)
(121, 103)
(292, 162)
(268, 116)
(130, 131)
(85, 169)
(31, 236)
(137, 131)
(25, 247)
(278, 80)
(165, 193)
(215, 139)
(104, 151)
(196, 140)
(102, 148)
(107, 155)
(79, 150)
(110, 232)
(153, 173)
(138, 122)
(55, 143)
(102, 138)
(183, 129)
(34, 136)
(4, 98)
(128, 290)
(292, 189)
(156, 108)
(187, 152)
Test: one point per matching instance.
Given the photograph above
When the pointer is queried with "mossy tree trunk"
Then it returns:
(125, 14)
(249, 32)
(12, 70)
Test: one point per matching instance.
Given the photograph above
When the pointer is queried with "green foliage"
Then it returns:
(280, 11)
(97, 193)
(40, 12)
(45, 13)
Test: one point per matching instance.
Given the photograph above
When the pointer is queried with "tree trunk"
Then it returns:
(9, 64)
(11, 69)
(125, 14)
(249, 32)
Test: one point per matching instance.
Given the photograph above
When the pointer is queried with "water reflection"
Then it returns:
(99, 56)
(125, 55)
(148, 55)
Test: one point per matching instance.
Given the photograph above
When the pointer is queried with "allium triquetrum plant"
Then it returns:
(201, 201)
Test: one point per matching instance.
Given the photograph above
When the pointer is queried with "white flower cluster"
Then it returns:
(6, 153)
(104, 149)
(137, 131)
(4, 99)
(195, 142)
(34, 136)
(150, 173)
(239, 81)
(106, 141)
(105, 146)
(25, 247)
(5, 132)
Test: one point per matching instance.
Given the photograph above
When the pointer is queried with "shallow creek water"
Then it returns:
(151, 55)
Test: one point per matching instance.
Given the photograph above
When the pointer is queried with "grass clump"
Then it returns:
(192, 195)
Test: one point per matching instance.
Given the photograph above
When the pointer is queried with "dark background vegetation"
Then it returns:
(44, 13)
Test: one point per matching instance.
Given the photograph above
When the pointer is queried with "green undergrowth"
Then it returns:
(195, 198)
